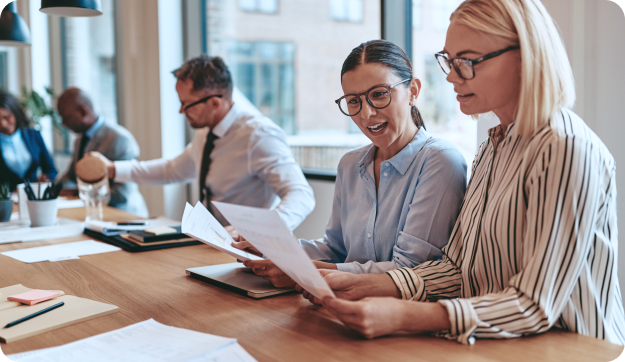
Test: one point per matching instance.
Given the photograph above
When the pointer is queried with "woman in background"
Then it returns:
(22, 151)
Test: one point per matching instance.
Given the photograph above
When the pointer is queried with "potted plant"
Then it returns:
(6, 204)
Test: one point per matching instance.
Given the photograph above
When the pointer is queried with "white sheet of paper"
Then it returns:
(268, 233)
(144, 341)
(20, 230)
(59, 251)
(231, 353)
(200, 224)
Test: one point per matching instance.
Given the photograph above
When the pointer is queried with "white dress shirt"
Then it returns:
(535, 244)
(251, 165)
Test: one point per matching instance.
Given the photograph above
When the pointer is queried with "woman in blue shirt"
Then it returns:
(397, 199)
(22, 151)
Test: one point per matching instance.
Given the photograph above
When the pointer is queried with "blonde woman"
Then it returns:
(535, 243)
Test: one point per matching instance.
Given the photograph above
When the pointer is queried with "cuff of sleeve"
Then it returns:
(462, 318)
(122, 171)
(346, 267)
(410, 285)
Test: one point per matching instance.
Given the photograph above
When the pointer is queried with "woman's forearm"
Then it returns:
(377, 285)
(424, 317)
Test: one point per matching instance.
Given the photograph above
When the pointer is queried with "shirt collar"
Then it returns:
(12, 138)
(495, 132)
(224, 125)
(403, 159)
(95, 127)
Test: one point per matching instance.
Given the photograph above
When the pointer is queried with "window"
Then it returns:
(259, 6)
(290, 68)
(264, 72)
(88, 51)
(417, 14)
(346, 10)
(437, 101)
(4, 65)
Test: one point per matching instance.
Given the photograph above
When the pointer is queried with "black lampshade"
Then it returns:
(13, 29)
(71, 7)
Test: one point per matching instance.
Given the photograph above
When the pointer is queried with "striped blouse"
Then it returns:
(535, 243)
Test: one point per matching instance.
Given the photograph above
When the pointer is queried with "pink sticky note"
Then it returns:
(33, 297)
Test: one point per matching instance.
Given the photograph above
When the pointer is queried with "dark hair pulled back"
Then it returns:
(10, 103)
(388, 54)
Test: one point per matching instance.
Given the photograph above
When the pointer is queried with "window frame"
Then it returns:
(396, 24)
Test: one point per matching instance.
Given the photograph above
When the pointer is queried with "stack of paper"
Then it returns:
(16, 231)
(109, 228)
(145, 341)
(60, 251)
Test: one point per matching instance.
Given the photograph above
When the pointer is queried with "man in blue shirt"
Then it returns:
(94, 134)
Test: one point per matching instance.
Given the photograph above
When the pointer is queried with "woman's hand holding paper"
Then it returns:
(269, 271)
(374, 317)
(244, 245)
(351, 286)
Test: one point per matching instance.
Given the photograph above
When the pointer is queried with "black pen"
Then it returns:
(133, 223)
(34, 315)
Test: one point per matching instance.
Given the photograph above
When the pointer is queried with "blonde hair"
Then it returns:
(547, 83)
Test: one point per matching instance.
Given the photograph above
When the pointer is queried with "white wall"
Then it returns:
(149, 47)
(315, 224)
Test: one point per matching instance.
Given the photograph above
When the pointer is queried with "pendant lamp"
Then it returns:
(71, 7)
(13, 29)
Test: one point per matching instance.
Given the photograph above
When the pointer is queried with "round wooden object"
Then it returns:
(90, 169)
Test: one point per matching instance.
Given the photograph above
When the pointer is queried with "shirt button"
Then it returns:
(386, 174)
(369, 235)
(388, 164)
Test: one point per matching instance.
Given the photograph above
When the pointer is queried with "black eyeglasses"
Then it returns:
(463, 66)
(378, 97)
(184, 108)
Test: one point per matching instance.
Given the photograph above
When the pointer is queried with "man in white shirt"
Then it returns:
(240, 158)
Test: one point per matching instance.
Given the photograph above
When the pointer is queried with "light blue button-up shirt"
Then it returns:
(94, 127)
(15, 153)
(410, 217)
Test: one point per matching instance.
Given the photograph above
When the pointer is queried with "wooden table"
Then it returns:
(153, 284)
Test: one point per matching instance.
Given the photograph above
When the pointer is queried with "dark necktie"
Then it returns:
(84, 140)
(205, 192)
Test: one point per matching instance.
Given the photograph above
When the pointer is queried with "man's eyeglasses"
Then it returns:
(378, 97)
(463, 66)
(184, 108)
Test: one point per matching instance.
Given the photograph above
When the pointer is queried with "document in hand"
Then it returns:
(268, 233)
(200, 224)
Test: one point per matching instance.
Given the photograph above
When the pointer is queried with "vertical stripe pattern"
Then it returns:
(535, 243)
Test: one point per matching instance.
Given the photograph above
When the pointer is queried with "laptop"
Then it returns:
(236, 278)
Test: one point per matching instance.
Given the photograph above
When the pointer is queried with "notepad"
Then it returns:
(74, 311)
(33, 297)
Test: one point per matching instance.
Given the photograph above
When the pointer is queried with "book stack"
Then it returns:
(157, 236)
